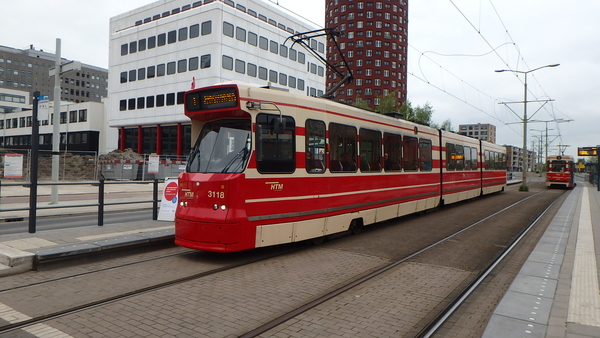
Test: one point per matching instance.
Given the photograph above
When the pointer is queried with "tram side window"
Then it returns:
(474, 159)
(460, 157)
(315, 146)
(342, 155)
(425, 155)
(275, 149)
(410, 149)
(392, 152)
(450, 156)
(468, 158)
(488, 157)
(370, 150)
(501, 161)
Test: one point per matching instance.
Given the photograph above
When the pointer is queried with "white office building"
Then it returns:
(157, 50)
(82, 125)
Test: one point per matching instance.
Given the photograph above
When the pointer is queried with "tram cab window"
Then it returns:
(342, 157)
(392, 152)
(275, 149)
(450, 156)
(410, 149)
(315, 146)
(557, 166)
(425, 155)
(370, 150)
(223, 146)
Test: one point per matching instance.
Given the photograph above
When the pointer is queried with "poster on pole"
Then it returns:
(13, 165)
(153, 163)
(168, 203)
(43, 107)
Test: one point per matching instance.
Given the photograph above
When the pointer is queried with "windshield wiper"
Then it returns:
(242, 155)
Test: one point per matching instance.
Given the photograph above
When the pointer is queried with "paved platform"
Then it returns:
(24, 251)
(556, 293)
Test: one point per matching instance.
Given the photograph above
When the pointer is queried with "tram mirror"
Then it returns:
(278, 125)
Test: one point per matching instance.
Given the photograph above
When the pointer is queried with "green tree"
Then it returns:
(388, 102)
(446, 125)
(360, 103)
(423, 114)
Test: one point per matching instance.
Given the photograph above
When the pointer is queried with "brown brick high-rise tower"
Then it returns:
(374, 44)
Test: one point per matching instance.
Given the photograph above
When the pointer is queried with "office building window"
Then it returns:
(182, 66)
(252, 70)
(206, 27)
(240, 66)
(227, 29)
(205, 61)
(194, 63)
(172, 37)
(171, 68)
(227, 62)
(162, 39)
(183, 34)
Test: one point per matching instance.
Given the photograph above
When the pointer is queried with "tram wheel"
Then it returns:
(318, 240)
(356, 226)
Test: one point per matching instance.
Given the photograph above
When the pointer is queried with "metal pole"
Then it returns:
(56, 126)
(525, 154)
(598, 166)
(101, 203)
(155, 200)
(35, 138)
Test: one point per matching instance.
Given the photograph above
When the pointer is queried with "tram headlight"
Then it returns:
(216, 207)
(183, 204)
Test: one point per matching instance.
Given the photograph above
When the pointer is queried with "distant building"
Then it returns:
(82, 125)
(27, 70)
(481, 131)
(374, 42)
(158, 49)
(514, 159)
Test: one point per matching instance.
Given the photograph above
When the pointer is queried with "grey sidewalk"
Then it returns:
(21, 252)
(556, 293)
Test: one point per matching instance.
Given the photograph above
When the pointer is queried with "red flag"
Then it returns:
(194, 82)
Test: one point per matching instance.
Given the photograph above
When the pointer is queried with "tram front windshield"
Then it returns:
(222, 147)
(558, 166)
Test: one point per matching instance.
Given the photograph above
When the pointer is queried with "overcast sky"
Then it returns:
(454, 48)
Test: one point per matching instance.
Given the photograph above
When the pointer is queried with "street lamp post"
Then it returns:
(525, 153)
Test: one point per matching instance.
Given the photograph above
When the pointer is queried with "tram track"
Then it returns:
(363, 277)
(432, 327)
(122, 296)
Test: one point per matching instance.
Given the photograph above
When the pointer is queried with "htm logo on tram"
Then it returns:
(275, 186)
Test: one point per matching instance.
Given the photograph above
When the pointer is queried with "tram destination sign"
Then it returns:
(587, 151)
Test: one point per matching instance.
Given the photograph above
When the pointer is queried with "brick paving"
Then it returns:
(226, 305)
(235, 301)
(383, 307)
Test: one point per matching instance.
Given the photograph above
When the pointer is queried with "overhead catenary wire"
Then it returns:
(510, 42)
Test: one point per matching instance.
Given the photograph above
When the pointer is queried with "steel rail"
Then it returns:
(330, 295)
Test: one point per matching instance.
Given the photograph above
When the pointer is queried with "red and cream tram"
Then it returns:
(269, 167)
(560, 172)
